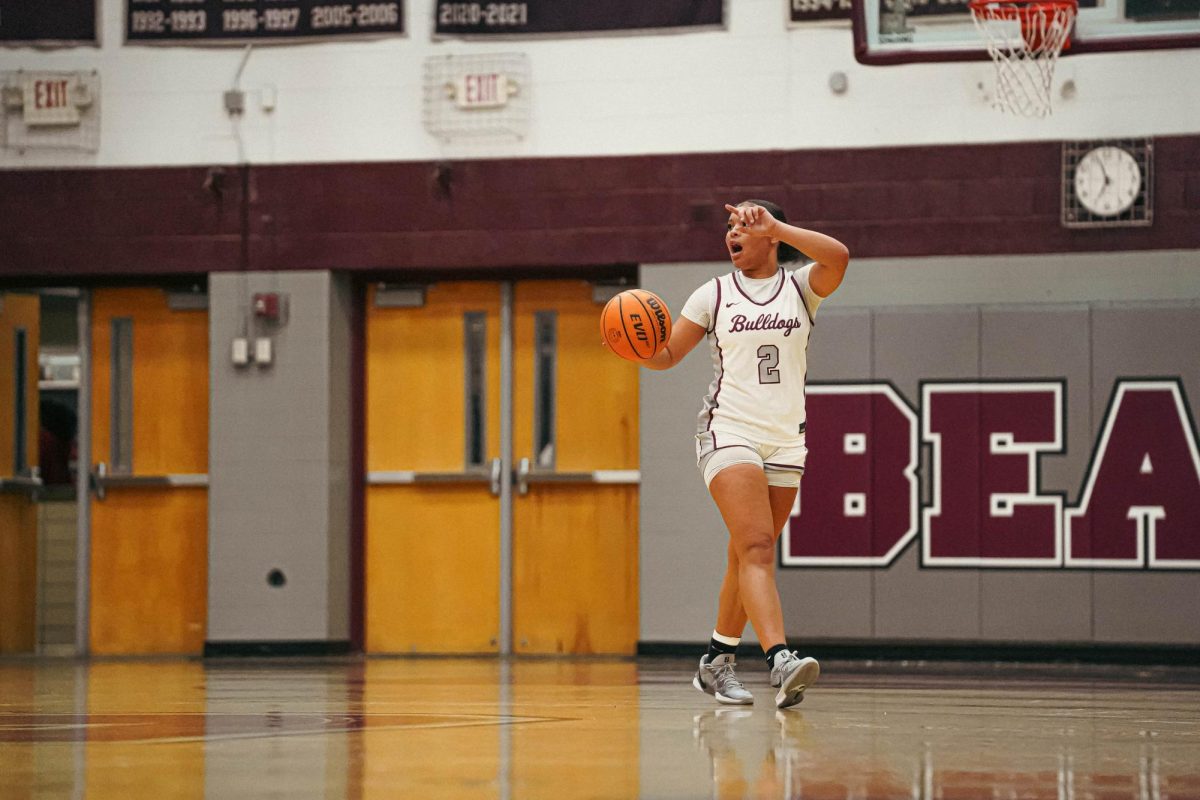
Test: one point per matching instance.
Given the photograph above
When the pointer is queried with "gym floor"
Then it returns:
(527, 728)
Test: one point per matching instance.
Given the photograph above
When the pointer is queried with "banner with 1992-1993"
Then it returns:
(230, 21)
(559, 17)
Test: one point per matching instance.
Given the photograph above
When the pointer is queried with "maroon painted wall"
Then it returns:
(560, 212)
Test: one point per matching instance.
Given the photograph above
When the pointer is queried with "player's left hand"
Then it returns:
(753, 220)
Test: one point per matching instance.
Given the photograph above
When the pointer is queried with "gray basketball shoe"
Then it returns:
(717, 678)
(793, 675)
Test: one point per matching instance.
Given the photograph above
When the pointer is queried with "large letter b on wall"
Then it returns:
(858, 502)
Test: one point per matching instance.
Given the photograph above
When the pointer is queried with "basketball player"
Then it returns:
(750, 437)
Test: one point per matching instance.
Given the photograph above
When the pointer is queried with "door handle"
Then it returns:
(497, 471)
(523, 470)
(97, 479)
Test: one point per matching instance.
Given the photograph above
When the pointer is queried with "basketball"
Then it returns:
(636, 324)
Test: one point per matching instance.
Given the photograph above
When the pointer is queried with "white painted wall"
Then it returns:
(758, 85)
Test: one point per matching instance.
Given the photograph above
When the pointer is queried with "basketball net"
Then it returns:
(1024, 39)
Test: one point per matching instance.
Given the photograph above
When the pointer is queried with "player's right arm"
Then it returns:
(685, 335)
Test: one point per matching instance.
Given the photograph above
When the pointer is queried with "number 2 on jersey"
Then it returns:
(768, 360)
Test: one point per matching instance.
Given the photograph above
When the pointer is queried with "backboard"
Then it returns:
(907, 31)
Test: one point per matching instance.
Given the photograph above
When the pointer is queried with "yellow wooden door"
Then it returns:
(149, 530)
(575, 530)
(432, 521)
(19, 332)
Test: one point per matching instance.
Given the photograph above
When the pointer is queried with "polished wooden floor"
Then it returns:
(421, 728)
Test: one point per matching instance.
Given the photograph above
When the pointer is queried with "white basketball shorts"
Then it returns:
(783, 464)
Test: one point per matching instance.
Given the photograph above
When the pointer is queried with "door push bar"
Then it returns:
(30, 485)
(407, 477)
(527, 475)
(103, 480)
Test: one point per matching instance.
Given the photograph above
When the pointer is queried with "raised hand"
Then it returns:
(754, 220)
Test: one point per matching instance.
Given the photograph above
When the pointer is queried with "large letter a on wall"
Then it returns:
(1141, 497)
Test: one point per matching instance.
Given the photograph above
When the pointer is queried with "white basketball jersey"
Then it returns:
(758, 335)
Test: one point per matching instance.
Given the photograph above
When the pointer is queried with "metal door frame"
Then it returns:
(83, 483)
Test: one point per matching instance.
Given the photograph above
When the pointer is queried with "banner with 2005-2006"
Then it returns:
(556, 17)
(217, 21)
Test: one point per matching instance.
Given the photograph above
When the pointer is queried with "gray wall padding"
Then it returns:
(279, 463)
(930, 319)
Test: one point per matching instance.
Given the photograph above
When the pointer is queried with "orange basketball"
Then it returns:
(636, 324)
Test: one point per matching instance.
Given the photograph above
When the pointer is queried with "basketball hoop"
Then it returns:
(1024, 39)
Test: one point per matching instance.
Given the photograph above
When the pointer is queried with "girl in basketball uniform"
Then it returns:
(750, 433)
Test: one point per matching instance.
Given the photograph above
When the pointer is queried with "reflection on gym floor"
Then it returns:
(588, 728)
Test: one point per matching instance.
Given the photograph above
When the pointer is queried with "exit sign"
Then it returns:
(483, 90)
(51, 98)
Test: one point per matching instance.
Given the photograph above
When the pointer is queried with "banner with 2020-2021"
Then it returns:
(47, 23)
(236, 21)
(559, 18)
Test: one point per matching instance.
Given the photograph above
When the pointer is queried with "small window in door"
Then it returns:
(20, 409)
(475, 387)
(545, 371)
(121, 397)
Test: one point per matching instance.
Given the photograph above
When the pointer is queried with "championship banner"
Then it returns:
(817, 10)
(556, 17)
(48, 22)
(229, 21)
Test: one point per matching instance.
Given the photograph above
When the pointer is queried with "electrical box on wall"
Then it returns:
(263, 351)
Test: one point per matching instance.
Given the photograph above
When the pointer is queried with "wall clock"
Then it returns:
(1107, 183)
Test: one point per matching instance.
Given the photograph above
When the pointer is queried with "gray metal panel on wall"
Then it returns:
(682, 540)
(278, 465)
(821, 602)
(911, 345)
(1131, 341)
(1042, 343)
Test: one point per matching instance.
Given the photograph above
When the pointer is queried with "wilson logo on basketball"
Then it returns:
(662, 320)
